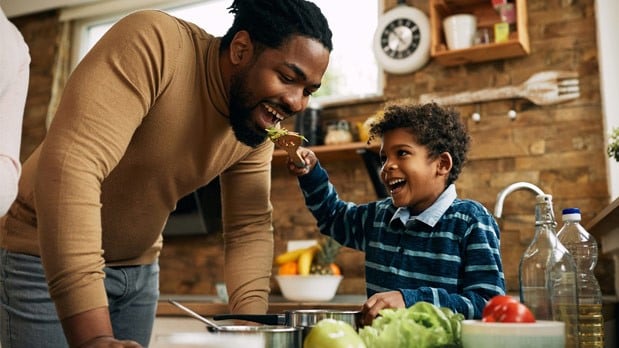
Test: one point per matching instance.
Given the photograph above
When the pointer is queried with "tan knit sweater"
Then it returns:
(142, 122)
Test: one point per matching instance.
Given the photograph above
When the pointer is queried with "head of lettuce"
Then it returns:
(422, 325)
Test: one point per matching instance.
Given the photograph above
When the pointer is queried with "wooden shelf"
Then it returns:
(517, 45)
(331, 152)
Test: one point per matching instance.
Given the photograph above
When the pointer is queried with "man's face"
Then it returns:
(275, 84)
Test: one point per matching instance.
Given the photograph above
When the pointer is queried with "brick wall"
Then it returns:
(559, 148)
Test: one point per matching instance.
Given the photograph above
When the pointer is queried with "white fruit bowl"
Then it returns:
(542, 333)
(310, 288)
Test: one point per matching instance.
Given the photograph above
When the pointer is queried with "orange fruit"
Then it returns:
(288, 268)
(335, 269)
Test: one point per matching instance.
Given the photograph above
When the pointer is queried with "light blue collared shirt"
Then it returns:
(431, 215)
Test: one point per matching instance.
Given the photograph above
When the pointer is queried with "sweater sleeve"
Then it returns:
(343, 221)
(15, 72)
(248, 231)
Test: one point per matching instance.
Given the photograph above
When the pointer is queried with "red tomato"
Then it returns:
(495, 302)
(514, 312)
(507, 310)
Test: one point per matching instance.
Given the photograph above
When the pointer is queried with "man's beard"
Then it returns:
(240, 113)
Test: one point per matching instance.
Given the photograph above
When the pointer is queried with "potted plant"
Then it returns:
(613, 145)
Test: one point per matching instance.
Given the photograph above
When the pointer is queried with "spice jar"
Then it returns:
(338, 133)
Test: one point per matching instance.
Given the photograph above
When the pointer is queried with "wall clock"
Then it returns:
(402, 39)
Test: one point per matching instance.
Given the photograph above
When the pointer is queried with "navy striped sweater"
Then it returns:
(448, 255)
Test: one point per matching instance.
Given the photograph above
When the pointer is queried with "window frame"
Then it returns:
(85, 16)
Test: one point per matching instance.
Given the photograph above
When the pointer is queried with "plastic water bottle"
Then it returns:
(584, 250)
(547, 274)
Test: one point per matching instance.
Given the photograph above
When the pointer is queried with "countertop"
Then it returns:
(211, 305)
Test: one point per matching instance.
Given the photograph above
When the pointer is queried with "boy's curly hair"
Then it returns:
(438, 129)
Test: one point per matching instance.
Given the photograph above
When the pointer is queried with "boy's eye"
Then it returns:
(402, 153)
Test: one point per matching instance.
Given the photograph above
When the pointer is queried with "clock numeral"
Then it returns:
(400, 38)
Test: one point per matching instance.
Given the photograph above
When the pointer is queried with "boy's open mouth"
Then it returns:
(395, 184)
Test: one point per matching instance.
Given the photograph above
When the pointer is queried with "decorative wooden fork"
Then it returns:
(543, 88)
(290, 143)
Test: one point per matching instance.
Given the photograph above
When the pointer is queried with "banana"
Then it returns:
(293, 255)
(305, 261)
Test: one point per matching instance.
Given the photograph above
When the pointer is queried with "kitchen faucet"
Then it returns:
(500, 198)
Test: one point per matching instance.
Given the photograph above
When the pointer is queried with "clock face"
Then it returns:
(400, 38)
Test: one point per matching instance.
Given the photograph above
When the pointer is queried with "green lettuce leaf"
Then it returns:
(422, 325)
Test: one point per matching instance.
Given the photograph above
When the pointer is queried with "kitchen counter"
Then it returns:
(211, 305)
(172, 319)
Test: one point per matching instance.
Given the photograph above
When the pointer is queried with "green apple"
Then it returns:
(331, 333)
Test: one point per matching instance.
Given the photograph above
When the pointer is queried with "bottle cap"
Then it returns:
(571, 214)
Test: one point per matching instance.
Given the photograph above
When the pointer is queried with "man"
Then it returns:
(155, 110)
(14, 75)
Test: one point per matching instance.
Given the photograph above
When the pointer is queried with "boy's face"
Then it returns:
(275, 84)
(413, 179)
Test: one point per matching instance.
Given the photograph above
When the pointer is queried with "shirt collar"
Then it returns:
(431, 215)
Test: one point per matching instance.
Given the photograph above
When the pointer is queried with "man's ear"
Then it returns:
(241, 48)
(445, 163)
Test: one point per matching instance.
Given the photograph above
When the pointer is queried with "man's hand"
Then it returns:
(93, 329)
(109, 342)
(371, 307)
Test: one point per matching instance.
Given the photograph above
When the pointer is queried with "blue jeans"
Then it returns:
(28, 316)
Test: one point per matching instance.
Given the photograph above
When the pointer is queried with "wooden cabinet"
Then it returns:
(516, 45)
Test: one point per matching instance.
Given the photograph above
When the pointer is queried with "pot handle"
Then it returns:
(268, 319)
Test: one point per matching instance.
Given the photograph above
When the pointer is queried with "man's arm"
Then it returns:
(104, 102)
(248, 231)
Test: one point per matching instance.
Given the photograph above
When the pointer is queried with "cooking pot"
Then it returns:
(274, 336)
(301, 318)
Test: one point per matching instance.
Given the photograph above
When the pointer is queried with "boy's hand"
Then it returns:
(381, 300)
(310, 162)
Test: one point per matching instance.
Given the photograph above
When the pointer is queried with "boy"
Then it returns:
(422, 243)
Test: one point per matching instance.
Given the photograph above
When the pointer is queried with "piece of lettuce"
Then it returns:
(273, 133)
(422, 325)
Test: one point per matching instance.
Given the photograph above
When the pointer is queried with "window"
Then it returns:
(352, 71)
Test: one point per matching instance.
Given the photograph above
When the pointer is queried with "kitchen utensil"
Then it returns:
(275, 336)
(478, 334)
(543, 88)
(301, 318)
(211, 324)
(309, 288)
(205, 340)
(290, 143)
